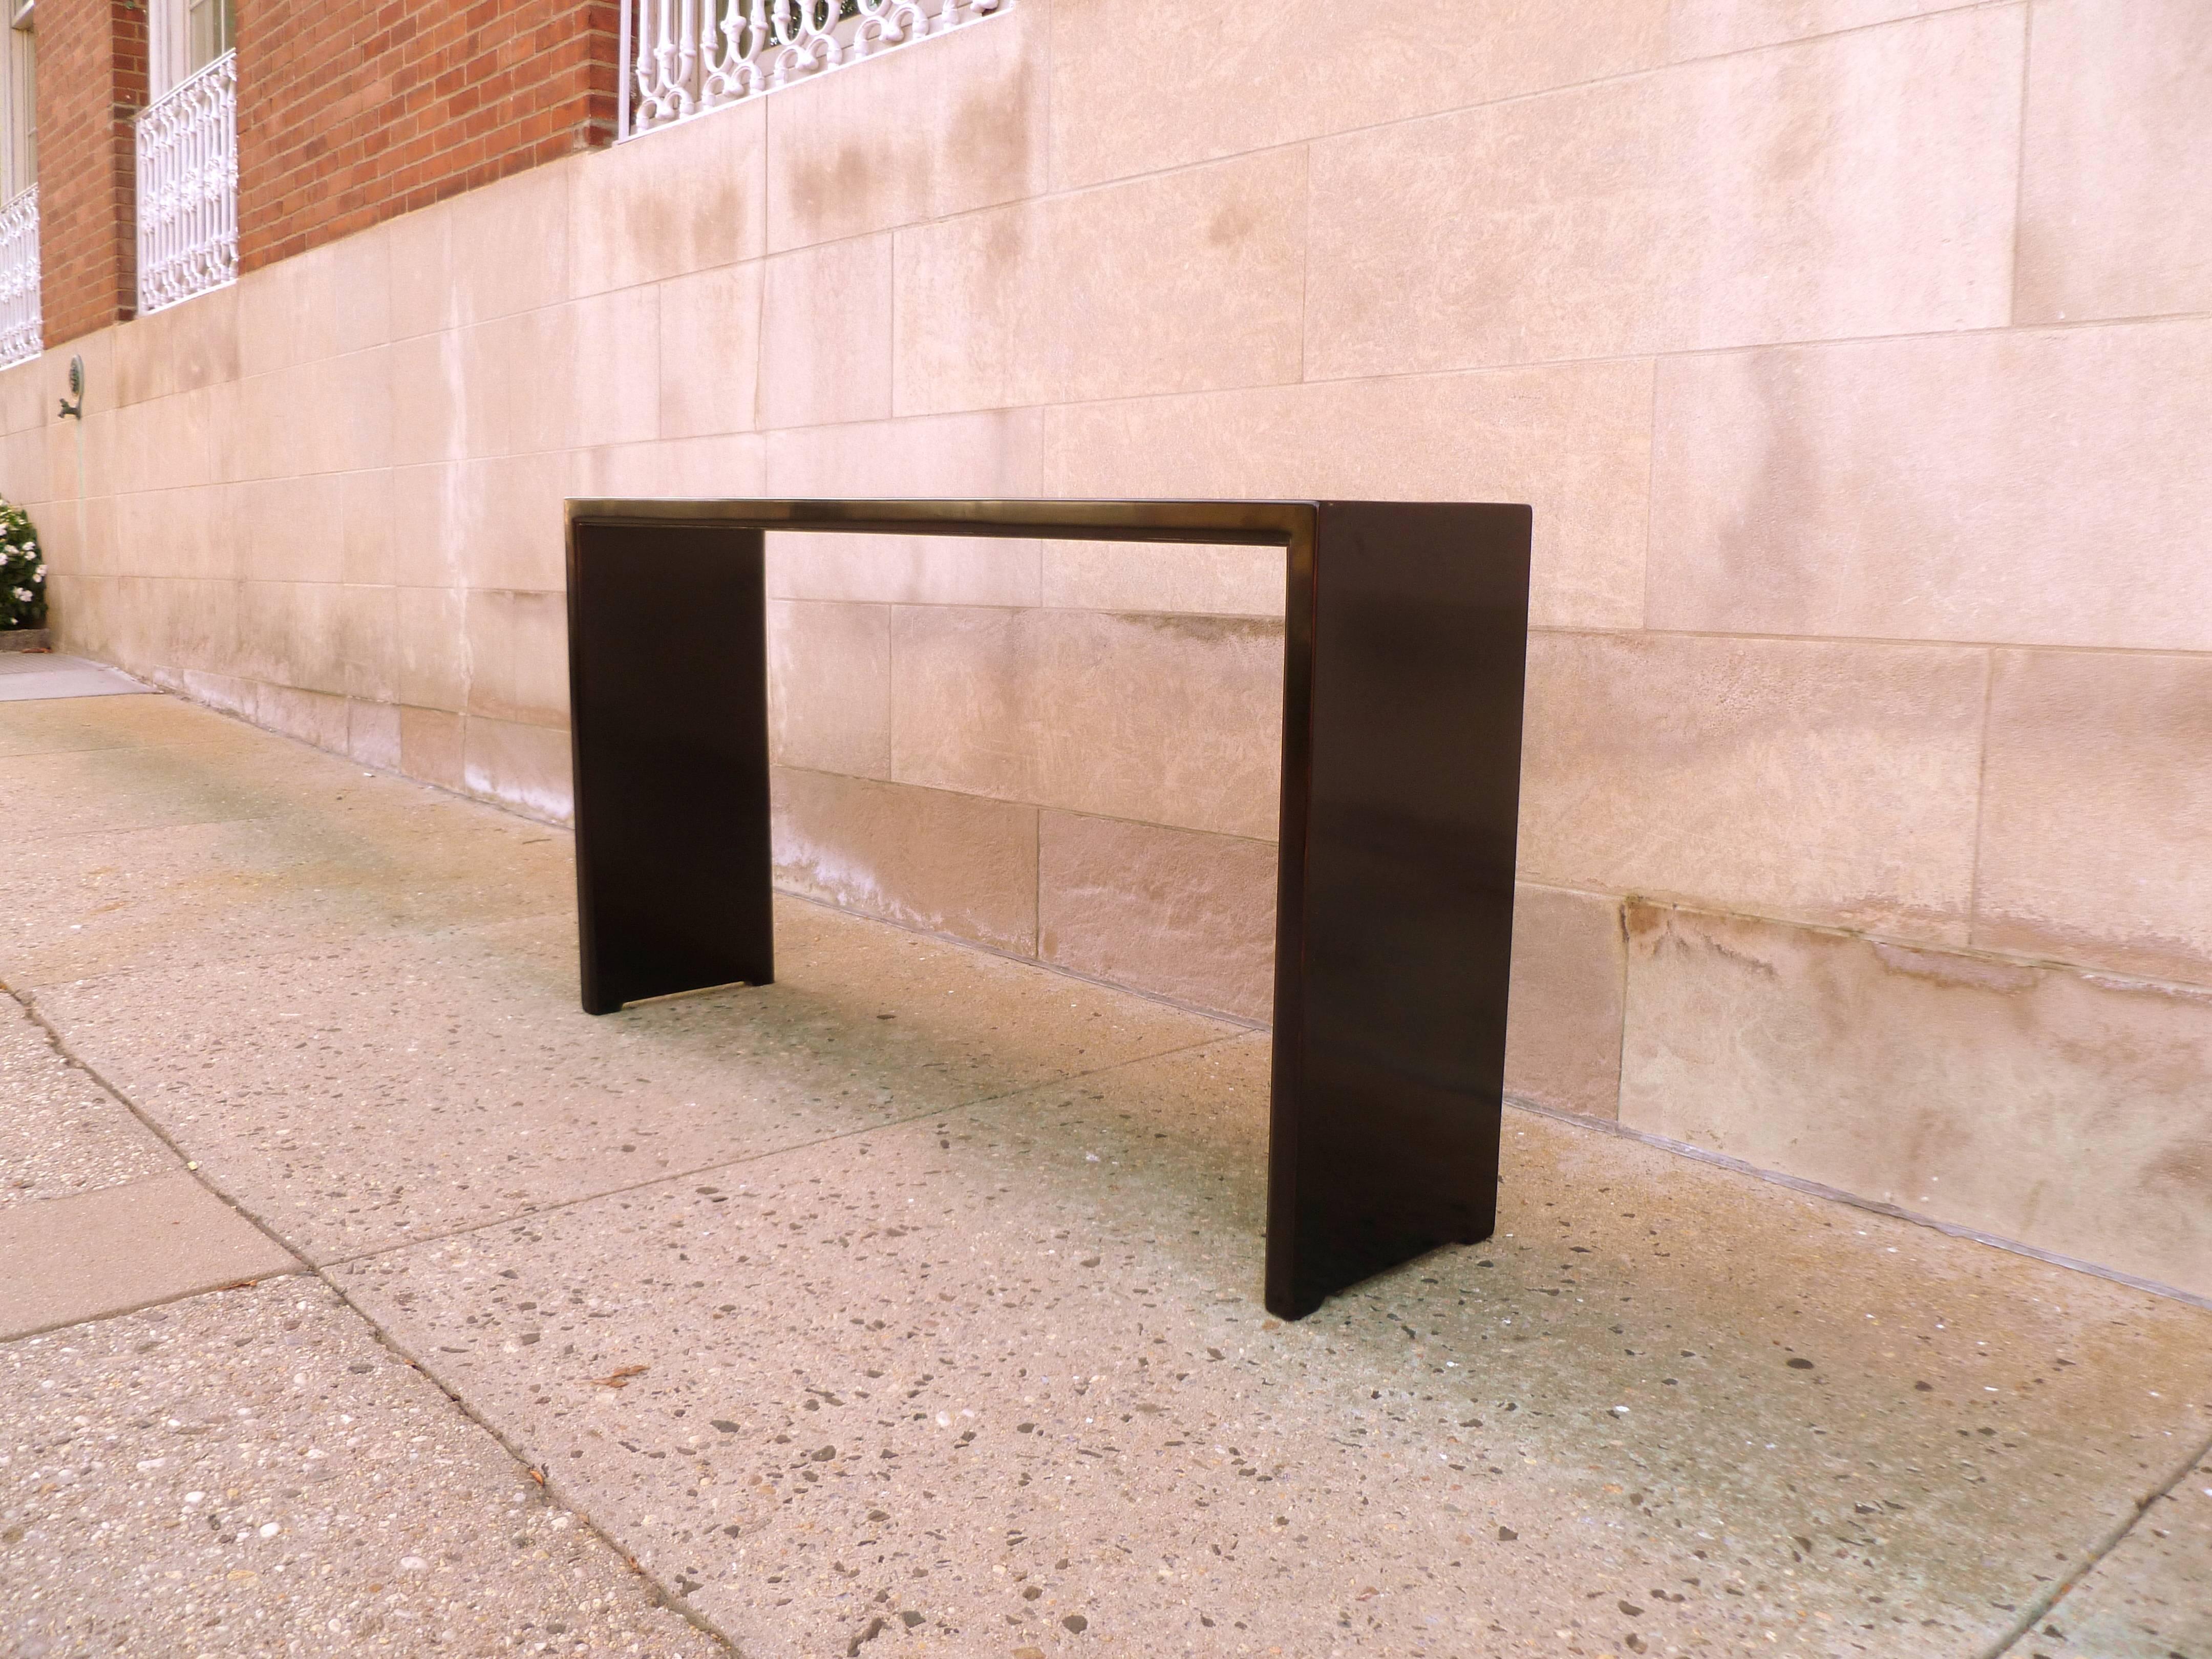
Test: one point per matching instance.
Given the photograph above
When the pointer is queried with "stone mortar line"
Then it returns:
(531, 1214)
(661, 1595)
(1982, 758)
(2024, 1626)
(2019, 158)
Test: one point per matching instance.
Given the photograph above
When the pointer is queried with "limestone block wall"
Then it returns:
(1856, 360)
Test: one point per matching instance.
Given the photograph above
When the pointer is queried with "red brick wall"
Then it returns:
(353, 111)
(92, 80)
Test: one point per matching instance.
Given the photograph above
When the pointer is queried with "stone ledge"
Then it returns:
(2040, 1104)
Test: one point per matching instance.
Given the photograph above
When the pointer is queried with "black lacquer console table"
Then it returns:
(1405, 644)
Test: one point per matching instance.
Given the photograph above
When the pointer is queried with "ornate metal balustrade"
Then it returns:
(188, 187)
(22, 332)
(683, 58)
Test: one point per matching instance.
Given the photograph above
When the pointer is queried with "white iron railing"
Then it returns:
(683, 58)
(22, 333)
(188, 187)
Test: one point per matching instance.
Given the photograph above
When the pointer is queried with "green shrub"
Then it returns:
(23, 571)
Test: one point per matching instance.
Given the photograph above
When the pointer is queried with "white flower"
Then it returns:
(24, 594)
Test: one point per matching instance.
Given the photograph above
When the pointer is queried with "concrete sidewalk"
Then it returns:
(911, 1305)
(28, 674)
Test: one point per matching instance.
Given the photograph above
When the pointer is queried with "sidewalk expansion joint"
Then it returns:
(296, 1271)
(2024, 1625)
(662, 1594)
(186, 1164)
(541, 1475)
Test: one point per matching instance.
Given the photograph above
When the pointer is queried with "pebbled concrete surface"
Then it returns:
(2151, 1598)
(911, 1305)
(168, 836)
(367, 1089)
(97, 1216)
(127, 1247)
(61, 1133)
(251, 1473)
(947, 1365)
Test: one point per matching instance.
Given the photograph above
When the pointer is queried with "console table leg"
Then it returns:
(668, 712)
(1407, 651)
